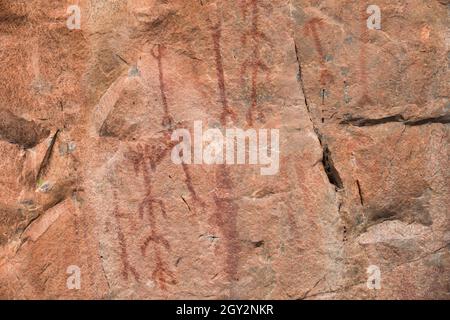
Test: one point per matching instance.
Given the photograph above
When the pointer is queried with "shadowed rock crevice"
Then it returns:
(414, 210)
(46, 161)
(330, 169)
(14, 129)
(327, 161)
(367, 122)
(441, 119)
(12, 14)
(14, 20)
(300, 76)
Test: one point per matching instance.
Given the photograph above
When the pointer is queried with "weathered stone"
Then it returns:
(363, 119)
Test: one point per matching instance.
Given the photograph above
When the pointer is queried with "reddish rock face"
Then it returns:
(93, 204)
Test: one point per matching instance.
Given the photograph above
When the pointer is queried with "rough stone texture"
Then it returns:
(86, 175)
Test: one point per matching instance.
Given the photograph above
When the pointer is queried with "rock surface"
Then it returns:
(87, 178)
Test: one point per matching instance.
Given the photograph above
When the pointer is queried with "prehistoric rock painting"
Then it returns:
(157, 53)
(216, 30)
(253, 37)
(145, 160)
(94, 207)
(127, 268)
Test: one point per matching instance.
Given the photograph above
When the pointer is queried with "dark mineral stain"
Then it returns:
(17, 130)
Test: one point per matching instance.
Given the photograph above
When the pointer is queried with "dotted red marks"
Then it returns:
(312, 28)
(254, 62)
(227, 111)
(158, 52)
(127, 268)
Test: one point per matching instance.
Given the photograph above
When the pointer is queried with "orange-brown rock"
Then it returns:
(87, 177)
